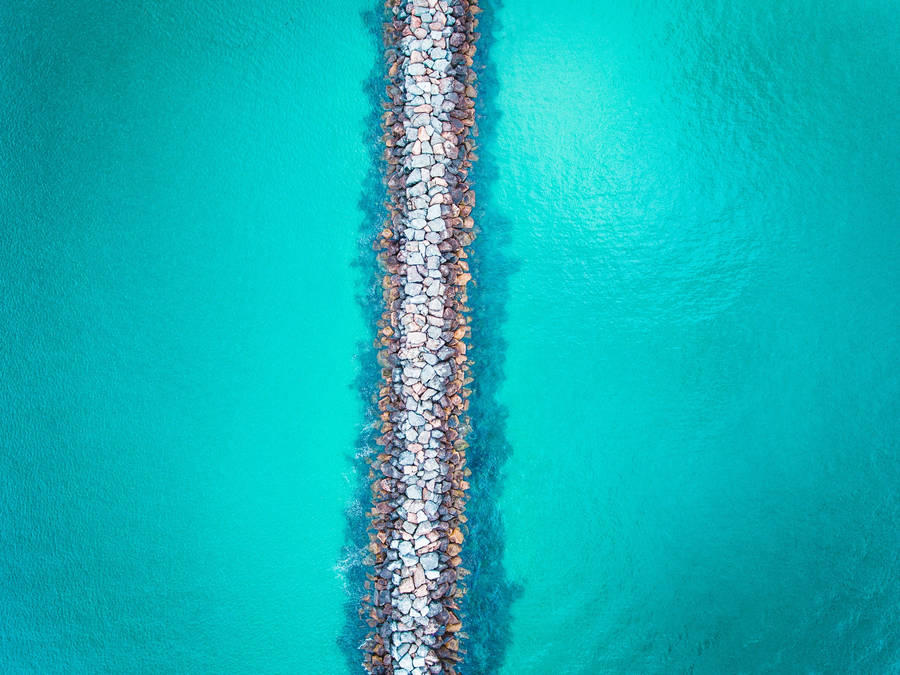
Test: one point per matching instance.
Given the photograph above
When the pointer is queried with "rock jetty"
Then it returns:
(419, 476)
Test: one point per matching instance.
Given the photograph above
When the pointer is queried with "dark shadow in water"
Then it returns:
(356, 563)
(490, 594)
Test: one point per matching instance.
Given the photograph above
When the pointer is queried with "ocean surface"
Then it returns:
(177, 405)
(686, 333)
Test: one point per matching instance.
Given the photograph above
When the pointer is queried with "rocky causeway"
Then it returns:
(419, 476)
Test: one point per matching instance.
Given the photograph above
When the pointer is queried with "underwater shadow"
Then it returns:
(356, 560)
(489, 592)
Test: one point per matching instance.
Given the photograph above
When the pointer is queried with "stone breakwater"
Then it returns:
(419, 477)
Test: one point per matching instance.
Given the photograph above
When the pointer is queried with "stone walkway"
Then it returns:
(419, 478)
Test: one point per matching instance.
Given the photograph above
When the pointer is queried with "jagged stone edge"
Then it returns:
(377, 658)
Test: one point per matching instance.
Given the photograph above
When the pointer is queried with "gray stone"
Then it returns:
(430, 561)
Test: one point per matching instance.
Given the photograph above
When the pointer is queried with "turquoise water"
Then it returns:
(703, 369)
(686, 337)
(179, 220)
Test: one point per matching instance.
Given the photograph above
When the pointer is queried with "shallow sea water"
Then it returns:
(179, 224)
(702, 377)
(686, 435)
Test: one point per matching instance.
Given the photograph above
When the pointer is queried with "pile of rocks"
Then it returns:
(419, 477)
